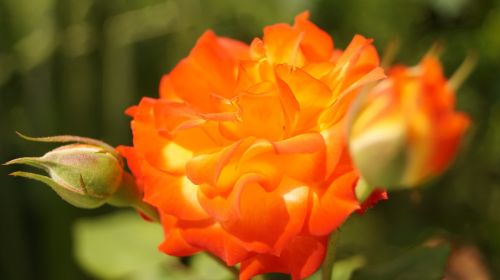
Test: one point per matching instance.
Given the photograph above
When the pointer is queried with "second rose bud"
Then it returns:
(405, 129)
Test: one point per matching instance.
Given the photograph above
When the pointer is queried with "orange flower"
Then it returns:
(244, 153)
(408, 126)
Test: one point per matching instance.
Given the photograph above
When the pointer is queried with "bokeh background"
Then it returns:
(73, 66)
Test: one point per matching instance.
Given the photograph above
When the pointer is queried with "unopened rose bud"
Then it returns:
(84, 175)
(405, 130)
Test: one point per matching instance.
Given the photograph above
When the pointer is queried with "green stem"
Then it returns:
(129, 196)
(327, 269)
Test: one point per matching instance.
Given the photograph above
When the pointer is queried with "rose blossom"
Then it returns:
(244, 153)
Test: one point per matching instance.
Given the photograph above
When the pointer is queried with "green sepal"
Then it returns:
(77, 198)
(72, 139)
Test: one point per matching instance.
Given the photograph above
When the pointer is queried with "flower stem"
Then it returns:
(129, 196)
(327, 269)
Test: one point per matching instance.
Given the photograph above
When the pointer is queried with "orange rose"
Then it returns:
(408, 126)
(243, 154)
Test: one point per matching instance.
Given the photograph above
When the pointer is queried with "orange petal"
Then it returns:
(279, 217)
(207, 168)
(448, 134)
(319, 70)
(305, 155)
(301, 258)
(209, 53)
(131, 111)
(346, 98)
(174, 195)
(253, 72)
(340, 78)
(158, 151)
(334, 139)
(218, 172)
(282, 44)
(238, 50)
(354, 50)
(167, 89)
(299, 144)
(225, 208)
(257, 49)
(316, 44)
(213, 238)
(174, 244)
(133, 162)
(181, 124)
(330, 209)
(219, 207)
(312, 95)
(171, 116)
(147, 142)
(261, 158)
(212, 53)
(196, 92)
(369, 57)
(255, 162)
(261, 114)
(289, 105)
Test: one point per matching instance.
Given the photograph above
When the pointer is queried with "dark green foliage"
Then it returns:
(73, 66)
(417, 263)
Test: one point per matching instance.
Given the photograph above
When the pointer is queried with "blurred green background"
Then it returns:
(73, 66)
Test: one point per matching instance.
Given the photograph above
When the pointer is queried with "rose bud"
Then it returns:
(405, 129)
(84, 175)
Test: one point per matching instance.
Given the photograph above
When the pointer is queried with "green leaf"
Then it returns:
(417, 263)
(121, 245)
